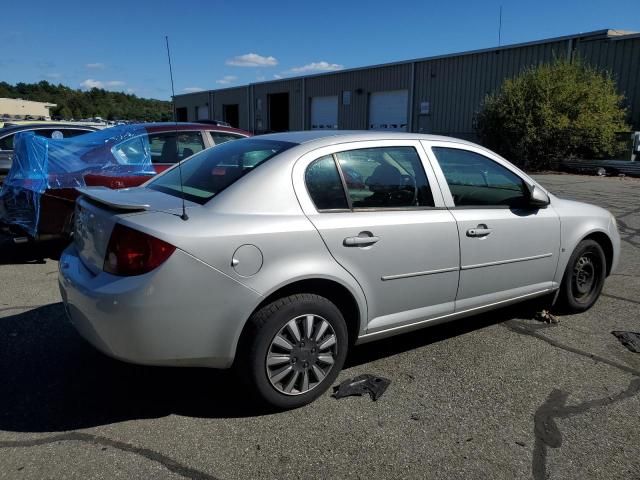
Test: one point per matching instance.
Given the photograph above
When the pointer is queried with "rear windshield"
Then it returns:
(209, 172)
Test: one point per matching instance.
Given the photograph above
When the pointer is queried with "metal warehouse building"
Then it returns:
(438, 95)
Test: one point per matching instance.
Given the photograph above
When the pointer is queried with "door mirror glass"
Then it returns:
(538, 197)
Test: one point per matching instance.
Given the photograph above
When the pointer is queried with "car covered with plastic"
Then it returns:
(38, 194)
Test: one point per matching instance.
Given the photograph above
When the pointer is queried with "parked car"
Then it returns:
(284, 263)
(50, 130)
(168, 144)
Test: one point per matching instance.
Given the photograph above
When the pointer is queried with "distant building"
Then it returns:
(21, 109)
(439, 95)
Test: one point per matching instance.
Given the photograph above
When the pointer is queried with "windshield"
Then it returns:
(209, 172)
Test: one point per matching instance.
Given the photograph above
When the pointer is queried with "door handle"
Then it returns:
(480, 231)
(360, 241)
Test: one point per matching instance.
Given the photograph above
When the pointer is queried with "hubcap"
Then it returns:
(584, 276)
(301, 354)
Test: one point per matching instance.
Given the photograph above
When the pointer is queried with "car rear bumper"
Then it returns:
(184, 313)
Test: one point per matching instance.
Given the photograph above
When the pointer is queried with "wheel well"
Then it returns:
(333, 291)
(606, 245)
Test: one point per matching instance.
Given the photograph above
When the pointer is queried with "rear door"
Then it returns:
(507, 248)
(390, 231)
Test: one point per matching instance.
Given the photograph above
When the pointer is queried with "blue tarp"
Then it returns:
(41, 164)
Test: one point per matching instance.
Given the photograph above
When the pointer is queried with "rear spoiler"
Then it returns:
(114, 198)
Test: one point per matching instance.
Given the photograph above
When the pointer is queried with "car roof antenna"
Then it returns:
(184, 215)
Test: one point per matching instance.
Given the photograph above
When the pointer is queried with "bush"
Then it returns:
(553, 112)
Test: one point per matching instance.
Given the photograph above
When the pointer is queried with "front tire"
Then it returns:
(584, 277)
(294, 349)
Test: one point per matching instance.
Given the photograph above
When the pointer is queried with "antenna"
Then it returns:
(184, 215)
(500, 27)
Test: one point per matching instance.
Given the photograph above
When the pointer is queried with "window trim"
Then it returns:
(442, 181)
(424, 161)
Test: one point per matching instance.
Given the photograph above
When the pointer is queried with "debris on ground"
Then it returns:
(546, 316)
(360, 385)
(631, 340)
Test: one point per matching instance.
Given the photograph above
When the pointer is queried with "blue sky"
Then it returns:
(119, 45)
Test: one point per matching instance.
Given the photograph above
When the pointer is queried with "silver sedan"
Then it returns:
(274, 254)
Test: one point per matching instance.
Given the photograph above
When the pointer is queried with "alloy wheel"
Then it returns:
(301, 354)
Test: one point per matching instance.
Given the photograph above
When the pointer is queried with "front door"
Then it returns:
(507, 248)
(390, 231)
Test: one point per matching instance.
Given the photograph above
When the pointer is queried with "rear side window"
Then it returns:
(324, 185)
(222, 137)
(386, 177)
(171, 147)
(475, 180)
(209, 172)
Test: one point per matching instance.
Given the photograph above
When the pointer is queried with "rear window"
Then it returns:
(209, 172)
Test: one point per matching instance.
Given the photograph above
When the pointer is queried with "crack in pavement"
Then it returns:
(167, 462)
(514, 327)
(621, 298)
(546, 431)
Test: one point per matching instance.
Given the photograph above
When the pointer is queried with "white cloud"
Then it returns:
(97, 65)
(115, 83)
(130, 90)
(227, 79)
(192, 89)
(277, 77)
(317, 67)
(252, 60)
(260, 78)
(90, 83)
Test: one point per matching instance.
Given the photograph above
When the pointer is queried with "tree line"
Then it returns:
(97, 102)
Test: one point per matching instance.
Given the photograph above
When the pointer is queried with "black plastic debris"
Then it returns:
(360, 385)
(631, 340)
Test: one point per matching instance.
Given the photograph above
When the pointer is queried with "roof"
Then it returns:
(328, 137)
(35, 126)
(173, 126)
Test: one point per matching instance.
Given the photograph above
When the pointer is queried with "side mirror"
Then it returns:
(538, 198)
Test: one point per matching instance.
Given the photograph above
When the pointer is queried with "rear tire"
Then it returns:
(583, 278)
(293, 350)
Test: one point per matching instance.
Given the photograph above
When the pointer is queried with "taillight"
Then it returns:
(131, 252)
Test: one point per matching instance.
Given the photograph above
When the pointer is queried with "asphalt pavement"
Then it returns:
(500, 395)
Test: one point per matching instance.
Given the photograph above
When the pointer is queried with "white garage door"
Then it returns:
(388, 110)
(203, 113)
(324, 113)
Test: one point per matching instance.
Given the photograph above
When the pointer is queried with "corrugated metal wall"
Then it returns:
(192, 101)
(262, 90)
(454, 85)
(621, 56)
(231, 96)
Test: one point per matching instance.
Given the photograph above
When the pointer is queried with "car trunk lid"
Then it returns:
(98, 210)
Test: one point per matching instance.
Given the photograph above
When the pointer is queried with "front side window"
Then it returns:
(475, 180)
(172, 147)
(386, 177)
(209, 172)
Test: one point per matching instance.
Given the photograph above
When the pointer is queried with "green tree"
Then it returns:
(553, 112)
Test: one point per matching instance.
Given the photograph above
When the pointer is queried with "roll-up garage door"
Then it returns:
(388, 110)
(324, 113)
(203, 113)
